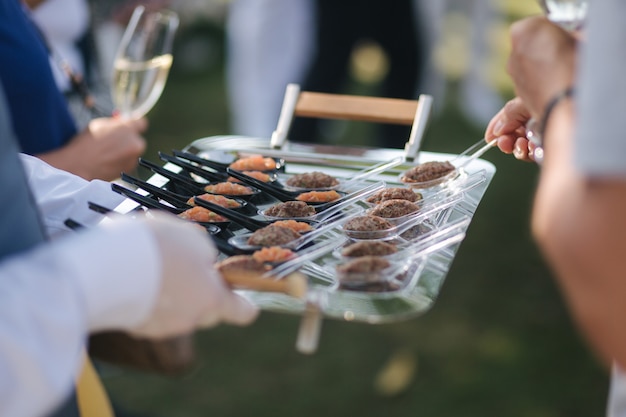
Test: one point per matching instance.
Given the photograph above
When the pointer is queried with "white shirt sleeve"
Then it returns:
(61, 195)
(600, 142)
(103, 278)
(617, 393)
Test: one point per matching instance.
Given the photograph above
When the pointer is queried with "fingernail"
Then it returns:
(518, 152)
(497, 129)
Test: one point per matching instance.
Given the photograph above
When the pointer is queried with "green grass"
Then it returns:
(498, 342)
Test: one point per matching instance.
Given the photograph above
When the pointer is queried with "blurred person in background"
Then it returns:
(151, 277)
(66, 27)
(342, 26)
(40, 114)
(105, 146)
(466, 30)
(70, 29)
(576, 91)
(269, 45)
(479, 98)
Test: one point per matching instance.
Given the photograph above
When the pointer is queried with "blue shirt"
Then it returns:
(39, 112)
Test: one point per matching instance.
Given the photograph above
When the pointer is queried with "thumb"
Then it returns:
(239, 310)
(138, 125)
(235, 309)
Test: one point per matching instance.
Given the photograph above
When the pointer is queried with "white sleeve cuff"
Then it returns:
(61, 195)
(118, 269)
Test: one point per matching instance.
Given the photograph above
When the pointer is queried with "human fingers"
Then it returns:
(534, 151)
(120, 137)
(521, 149)
(234, 309)
(106, 124)
(238, 310)
(189, 287)
(116, 154)
(99, 153)
(131, 145)
(138, 125)
(126, 164)
(192, 293)
(514, 115)
(508, 124)
(506, 143)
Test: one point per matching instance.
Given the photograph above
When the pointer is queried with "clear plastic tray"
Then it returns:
(425, 266)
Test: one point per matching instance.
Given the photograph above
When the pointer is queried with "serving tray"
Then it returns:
(424, 277)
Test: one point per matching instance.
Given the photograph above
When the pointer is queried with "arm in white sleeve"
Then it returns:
(54, 295)
(61, 195)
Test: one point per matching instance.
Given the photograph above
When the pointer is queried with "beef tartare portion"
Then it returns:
(367, 274)
(364, 265)
(369, 248)
(272, 236)
(394, 208)
(395, 193)
(428, 171)
(313, 179)
(363, 271)
(290, 209)
(367, 224)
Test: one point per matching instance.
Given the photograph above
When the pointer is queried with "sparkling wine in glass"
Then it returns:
(143, 61)
(569, 14)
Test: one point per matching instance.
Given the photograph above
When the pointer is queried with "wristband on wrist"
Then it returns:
(567, 93)
(535, 131)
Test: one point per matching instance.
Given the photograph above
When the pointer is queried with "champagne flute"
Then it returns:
(143, 61)
(570, 15)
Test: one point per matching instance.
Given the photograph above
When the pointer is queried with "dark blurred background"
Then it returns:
(498, 341)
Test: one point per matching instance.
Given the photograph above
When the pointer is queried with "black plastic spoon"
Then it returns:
(187, 184)
(98, 208)
(212, 227)
(73, 224)
(192, 187)
(174, 199)
(219, 166)
(201, 172)
(144, 200)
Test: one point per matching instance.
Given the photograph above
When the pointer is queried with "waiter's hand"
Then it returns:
(509, 127)
(192, 292)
